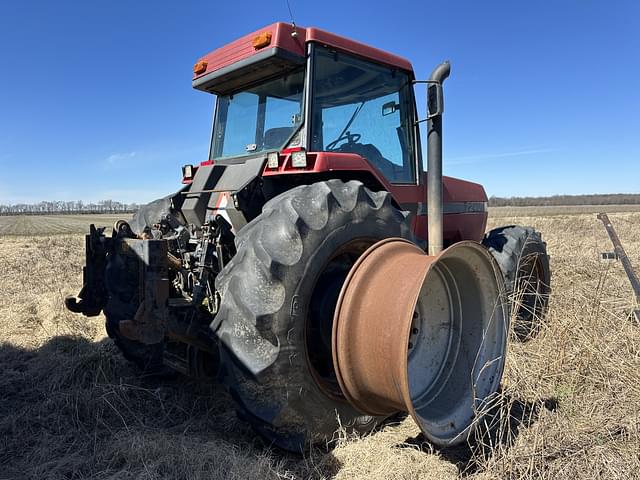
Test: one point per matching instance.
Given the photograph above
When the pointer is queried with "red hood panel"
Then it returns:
(456, 190)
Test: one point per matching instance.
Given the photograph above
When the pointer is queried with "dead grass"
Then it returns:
(559, 210)
(71, 407)
(54, 224)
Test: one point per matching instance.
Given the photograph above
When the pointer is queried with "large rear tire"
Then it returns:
(522, 257)
(278, 299)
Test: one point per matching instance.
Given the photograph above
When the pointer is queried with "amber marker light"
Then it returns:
(199, 68)
(262, 40)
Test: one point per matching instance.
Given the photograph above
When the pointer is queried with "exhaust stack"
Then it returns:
(435, 108)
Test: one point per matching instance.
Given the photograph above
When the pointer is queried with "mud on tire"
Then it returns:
(278, 298)
(522, 257)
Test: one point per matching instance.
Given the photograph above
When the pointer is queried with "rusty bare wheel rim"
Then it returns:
(340, 349)
(422, 334)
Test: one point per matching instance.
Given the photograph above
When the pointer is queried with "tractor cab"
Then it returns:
(309, 90)
(308, 104)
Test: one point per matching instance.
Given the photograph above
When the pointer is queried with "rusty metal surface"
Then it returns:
(422, 334)
(367, 364)
(175, 263)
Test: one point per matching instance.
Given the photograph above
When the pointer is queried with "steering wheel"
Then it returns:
(348, 136)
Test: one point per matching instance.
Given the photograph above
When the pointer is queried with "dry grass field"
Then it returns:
(53, 224)
(71, 407)
(560, 210)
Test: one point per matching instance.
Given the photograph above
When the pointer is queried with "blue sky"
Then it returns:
(96, 99)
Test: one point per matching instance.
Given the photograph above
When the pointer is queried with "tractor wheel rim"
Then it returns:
(422, 334)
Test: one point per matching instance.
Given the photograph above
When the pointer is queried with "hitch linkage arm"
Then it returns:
(92, 297)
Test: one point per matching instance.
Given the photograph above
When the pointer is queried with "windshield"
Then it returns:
(364, 108)
(260, 118)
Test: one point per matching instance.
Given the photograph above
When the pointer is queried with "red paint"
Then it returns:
(331, 39)
(188, 181)
(243, 47)
(456, 226)
(285, 151)
(326, 162)
(281, 37)
(222, 196)
(459, 226)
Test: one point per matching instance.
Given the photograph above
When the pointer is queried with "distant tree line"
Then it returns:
(563, 200)
(78, 207)
(74, 207)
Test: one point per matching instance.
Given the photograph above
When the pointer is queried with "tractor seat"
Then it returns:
(369, 151)
(275, 137)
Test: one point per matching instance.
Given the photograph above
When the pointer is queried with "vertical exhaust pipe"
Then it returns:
(435, 108)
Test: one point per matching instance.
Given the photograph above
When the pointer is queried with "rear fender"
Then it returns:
(321, 162)
(465, 203)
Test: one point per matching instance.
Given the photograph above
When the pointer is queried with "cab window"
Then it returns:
(364, 108)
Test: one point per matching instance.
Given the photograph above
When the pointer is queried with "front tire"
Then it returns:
(278, 297)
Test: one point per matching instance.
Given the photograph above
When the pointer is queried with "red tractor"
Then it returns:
(291, 265)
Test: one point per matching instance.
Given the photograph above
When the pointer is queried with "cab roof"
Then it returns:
(283, 47)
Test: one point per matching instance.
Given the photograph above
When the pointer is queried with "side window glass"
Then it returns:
(260, 118)
(363, 108)
(281, 118)
(380, 129)
(239, 130)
